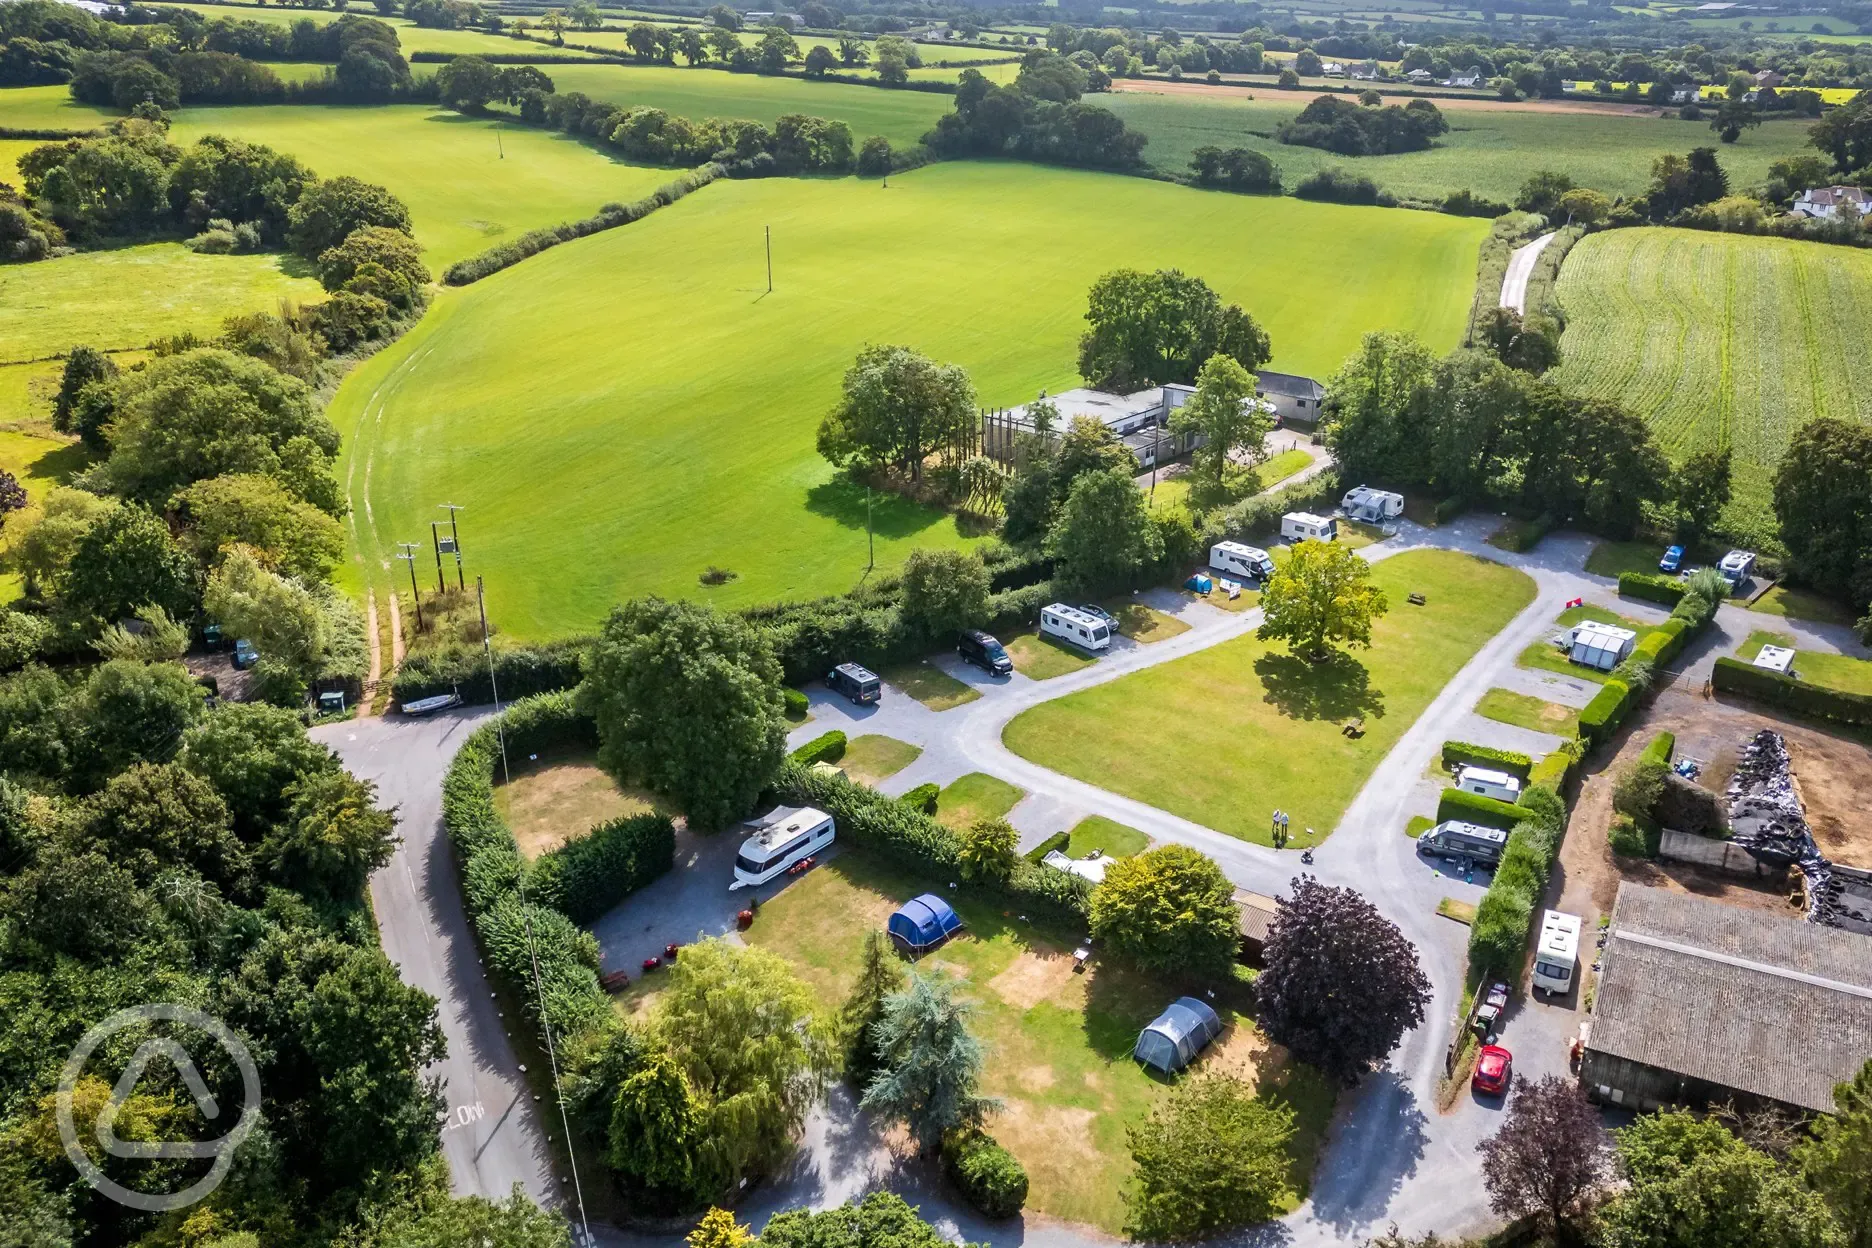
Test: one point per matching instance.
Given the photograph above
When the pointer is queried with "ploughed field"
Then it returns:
(620, 413)
(1720, 338)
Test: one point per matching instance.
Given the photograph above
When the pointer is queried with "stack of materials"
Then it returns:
(1767, 820)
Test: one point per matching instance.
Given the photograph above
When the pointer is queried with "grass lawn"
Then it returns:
(1279, 467)
(49, 108)
(1059, 1043)
(975, 796)
(1042, 658)
(1719, 338)
(560, 796)
(1145, 624)
(1546, 658)
(1462, 911)
(1613, 558)
(1097, 834)
(1418, 825)
(1799, 604)
(1224, 736)
(872, 757)
(1525, 711)
(1835, 671)
(131, 296)
(600, 470)
(930, 685)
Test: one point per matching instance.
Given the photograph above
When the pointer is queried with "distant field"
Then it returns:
(1720, 338)
(621, 412)
(1489, 152)
(410, 37)
(48, 108)
(616, 39)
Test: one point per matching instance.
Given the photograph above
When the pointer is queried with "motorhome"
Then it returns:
(1074, 626)
(1455, 839)
(1236, 559)
(787, 837)
(1557, 954)
(1737, 566)
(860, 684)
(1300, 526)
(1496, 784)
(981, 649)
(1372, 506)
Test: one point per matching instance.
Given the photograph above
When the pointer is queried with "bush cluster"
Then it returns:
(1556, 767)
(827, 747)
(1649, 586)
(520, 671)
(583, 878)
(1735, 676)
(1658, 749)
(1504, 918)
(1336, 186)
(1458, 753)
(1474, 808)
(990, 1178)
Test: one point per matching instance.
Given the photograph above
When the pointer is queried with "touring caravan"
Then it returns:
(1455, 839)
(1496, 784)
(1300, 526)
(1251, 563)
(786, 838)
(1557, 954)
(1372, 506)
(1074, 626)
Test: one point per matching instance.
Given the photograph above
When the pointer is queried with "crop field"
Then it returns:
(621, 412)
(1267, 724)
(1489, 151)
(1720, 338)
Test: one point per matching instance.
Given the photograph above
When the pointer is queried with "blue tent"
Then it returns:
(1177, 1035)
(922, 923)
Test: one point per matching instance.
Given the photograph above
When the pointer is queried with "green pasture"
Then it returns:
(617, 39)
(1720, 339)
(621, 412)
(1488, 151)
(1228, 735)
(1058, 1042)
(48, 108)
(410, 37)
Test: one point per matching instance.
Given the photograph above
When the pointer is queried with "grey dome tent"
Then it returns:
(1177, 1035)
(922, 923)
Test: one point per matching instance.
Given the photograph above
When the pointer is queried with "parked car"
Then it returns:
(245, 656)
(1489, 1013)
(981, 649)
(1494, 1070)
(860, 684)
(1672, 560)
(1101, 614)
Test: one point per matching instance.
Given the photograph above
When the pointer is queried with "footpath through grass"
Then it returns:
(1226, 736)
(621, 412)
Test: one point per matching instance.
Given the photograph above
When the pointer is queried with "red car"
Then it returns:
(1494, 1069)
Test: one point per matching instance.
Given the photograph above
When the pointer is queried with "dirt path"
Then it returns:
(396, 634)
(1475, 103)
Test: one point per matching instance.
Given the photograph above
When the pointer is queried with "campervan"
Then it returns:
(1455, 839)
(1736, 567)
(1299, 526)
(1496, 784)
(860, 684)
(1557, 954)
(1372, 506)
(787, 837)
(1248, 562)
(1074, 626)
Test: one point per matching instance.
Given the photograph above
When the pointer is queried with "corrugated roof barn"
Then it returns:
(1698, 1000)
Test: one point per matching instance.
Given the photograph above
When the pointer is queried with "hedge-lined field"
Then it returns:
(621, 412)
(1720, 337)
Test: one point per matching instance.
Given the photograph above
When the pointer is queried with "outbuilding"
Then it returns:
(922, 923)
(1601, 646)
(1177, 1035)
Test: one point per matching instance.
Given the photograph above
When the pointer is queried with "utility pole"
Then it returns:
(455, 539)
(436, 541)
(409, 554)
(770, 259)
(870, 533)
(499, 146)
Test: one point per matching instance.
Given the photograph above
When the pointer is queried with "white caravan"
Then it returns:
(1251, 563)
(786, 837)
(1372, 506)
(1496, 784)
(1300, 526)
(1072, 625)
(1557, 954)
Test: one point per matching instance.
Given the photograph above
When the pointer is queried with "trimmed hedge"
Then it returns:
(1650, 587)
(1261, 513)
(922, 798)
(1059, 841)
(795, 702)
(1665, 642)
(1516, 764)
(990, 1178)
(523, 671)
(1787, 693)
(1601, 717)
(914, 840)
(584, 878)
(828, 747)
(1474, 808)
(1504, 919)
(1658, 749)
(1555, 768)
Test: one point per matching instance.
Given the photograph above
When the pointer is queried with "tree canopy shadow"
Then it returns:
(893, 516)
(1335, 688)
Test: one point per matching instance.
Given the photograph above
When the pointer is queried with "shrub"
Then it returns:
(1665, 642)
(1638, 787)
(1650, 587)
(1696, 610)
(1658, 749)
(1514, 763)
(922, 798)
(584, 878)
(1340, 187)
(1691, 808)
(1629, 840)
(990, 1178)
(796, 703)
(1634, 673)
(1474, 808)
(1498, 935)
(828, 747)
(1601, 717)
(1774, 689)
(521, 671)
(1520, 536)
(1555, 768)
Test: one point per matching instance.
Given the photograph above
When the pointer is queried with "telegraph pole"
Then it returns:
(409, 554)
(455, 539)
(436, 541)
(770, 259)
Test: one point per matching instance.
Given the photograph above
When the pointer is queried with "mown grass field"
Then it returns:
(1720, 339)
(621, 412)
(48, 108)
(1241, 729)
(410, 37)
(1491, 152)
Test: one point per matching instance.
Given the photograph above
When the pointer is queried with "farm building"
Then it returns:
(1700, 1001)
(1177, 1035)
(1257, 921)
(1292, 397)
(922, 923)
(1141, 421)
(1600, 646)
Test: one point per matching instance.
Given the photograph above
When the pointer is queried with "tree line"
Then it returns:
(1040, 117)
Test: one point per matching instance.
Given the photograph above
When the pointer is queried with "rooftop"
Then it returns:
(1774, 1007)
(1290, 384)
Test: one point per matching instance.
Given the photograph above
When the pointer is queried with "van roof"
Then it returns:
(783, 825)
(1242, 548)
(857, 671)
(1487, 776)
(1304, 517)
(1456, 827)
(978, 636)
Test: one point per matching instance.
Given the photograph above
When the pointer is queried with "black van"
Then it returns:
(857, 683)
(984, 652)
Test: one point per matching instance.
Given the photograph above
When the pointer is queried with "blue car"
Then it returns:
(1672, 560)
(245, 656)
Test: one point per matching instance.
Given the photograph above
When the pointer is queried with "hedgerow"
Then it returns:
(1600, 718)
(1458, 753)
(1474, 808)
(1775, 689)
(989, 1177)
(1650, 587)
(1505, 917)
(588, 875)
(522, 671)
(827, 747)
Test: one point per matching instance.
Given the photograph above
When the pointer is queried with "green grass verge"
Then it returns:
(1097, 834)
(1418, 825)
(1800, 604)
(872, 757)
(1752, 644)
(1227, 735)
(1059, 1044)
(1613, 558)
(975, 796)
(1461, 911)
(1145, 624)
(1043, 658)
(599, 471)
(1525, 711)
(1279, 467)
(930, 685)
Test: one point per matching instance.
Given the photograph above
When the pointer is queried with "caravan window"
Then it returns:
(1553, 970)
(1100, 632)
